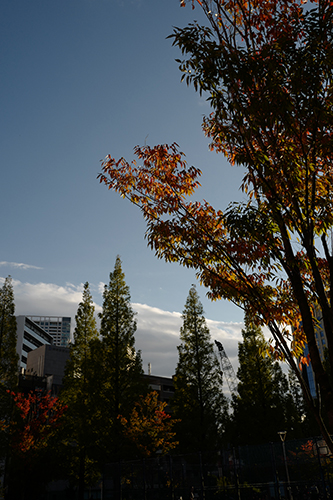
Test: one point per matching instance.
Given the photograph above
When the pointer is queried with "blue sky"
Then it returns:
(81, 79)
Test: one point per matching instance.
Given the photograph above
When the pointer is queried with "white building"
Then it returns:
(30, 336)
(57, 326)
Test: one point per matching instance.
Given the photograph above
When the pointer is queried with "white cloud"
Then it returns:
(100, 287)
(158, 336)
(19, 265)
(46, 298)
(157, 333)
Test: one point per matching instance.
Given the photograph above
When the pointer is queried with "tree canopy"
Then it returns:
(266, 68)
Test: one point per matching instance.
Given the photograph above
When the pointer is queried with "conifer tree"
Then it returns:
(81, 396)
(121, 363)
(8, 337)
(198, 402)
(9, 360)
(260, 409)
(85, 332)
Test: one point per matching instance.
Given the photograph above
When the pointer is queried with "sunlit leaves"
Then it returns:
(236, 253)
(149, 427)
(37, 417)
(173, 180)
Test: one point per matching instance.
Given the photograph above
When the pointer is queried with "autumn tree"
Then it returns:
(198, 401)
(33, 443)
(80, 394)
(120, 363)
(266, 68)
(149, 428)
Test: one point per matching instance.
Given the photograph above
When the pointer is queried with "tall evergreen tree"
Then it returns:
(121, 363)
(85, 332)
(81, 396)
(260, 409)
(8, 337)
(198, 400)
(9, 360)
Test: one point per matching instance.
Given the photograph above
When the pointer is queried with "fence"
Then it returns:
(242, 473)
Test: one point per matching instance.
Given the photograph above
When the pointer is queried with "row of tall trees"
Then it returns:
(108, 422)
(103, 382)
(105, 412)
(267, 400)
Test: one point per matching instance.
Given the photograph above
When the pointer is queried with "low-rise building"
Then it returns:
(163, 386)
(48, 361)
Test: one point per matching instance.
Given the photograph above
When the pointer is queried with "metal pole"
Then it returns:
(276, 474)
(238, 493)
(322, 473)
(283, 437)
(202, 477)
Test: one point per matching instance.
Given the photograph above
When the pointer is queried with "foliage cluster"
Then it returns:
(149, 427)
(33, 439)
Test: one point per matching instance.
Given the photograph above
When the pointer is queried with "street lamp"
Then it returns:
(282, 435)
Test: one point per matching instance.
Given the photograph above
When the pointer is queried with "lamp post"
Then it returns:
(282, 435)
